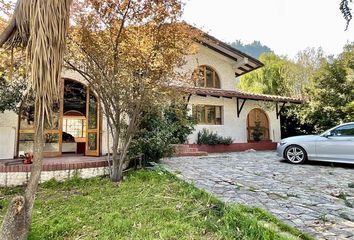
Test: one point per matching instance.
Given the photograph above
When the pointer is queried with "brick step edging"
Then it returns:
(54, 167)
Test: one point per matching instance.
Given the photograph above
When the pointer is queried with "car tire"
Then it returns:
(295, 154)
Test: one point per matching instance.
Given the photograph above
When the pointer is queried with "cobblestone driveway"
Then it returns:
(316, 197)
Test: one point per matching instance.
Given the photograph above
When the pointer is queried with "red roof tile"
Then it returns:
(214, 92)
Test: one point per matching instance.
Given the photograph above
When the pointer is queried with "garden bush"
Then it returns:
(159, 129)
(207, 137)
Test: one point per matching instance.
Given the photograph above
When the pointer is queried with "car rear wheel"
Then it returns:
(295, 154)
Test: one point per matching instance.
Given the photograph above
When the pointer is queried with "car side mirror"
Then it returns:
(329, 134)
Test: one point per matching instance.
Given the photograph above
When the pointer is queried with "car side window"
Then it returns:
(347, 130)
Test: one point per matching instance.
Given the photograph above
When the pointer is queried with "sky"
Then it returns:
(286, 26)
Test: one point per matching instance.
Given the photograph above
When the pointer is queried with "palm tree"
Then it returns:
(40, 26)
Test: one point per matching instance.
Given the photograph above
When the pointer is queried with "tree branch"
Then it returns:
(8, 32)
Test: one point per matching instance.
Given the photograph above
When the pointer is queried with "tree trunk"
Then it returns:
(17, 221)
(117, 172)
(120, 171)
(116, 175)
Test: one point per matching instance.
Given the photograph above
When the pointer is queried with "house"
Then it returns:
(215, 102)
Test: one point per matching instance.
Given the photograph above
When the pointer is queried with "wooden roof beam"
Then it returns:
(241, 63)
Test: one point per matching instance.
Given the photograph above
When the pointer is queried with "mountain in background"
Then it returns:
(254, 49)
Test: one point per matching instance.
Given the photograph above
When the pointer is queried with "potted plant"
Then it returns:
(257, 131)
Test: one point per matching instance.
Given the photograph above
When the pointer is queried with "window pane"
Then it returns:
(92, 113)
(209, 78)
(194, 113)
(92, 141)
(210, 111)
(217, 81)
(347, 130)
(51, 142)
(206, 77)
(54, 124)
(207, 114)
(26, 142)
(75, 127)
(200, 114)
(74, 97)
(27, 114)
(199, 76)
(218, 115)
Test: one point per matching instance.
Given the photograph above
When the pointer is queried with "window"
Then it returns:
(205, 76)
(207, 114)
(75, 126)
(346, 130)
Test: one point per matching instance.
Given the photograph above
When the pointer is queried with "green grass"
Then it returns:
(147, 205)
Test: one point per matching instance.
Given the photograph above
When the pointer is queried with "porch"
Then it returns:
(14, 173)
(66, 162)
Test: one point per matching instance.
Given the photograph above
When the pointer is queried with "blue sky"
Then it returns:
(286, 26)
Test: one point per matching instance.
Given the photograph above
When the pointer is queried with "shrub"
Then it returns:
(159, 129)
(211, 138)
(257, 131)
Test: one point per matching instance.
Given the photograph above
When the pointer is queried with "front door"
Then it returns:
(92, 123)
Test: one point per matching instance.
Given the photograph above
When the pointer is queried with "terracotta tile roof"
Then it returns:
(214, 92)
(231, 52)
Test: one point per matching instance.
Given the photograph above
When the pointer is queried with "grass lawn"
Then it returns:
(147, 205)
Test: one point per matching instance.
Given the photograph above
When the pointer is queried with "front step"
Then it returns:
(184, 150)
(12, 162)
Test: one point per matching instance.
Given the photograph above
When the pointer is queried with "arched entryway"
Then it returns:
(257, 117)
(76, 123)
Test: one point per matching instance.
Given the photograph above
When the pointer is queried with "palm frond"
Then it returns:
(41, 27)
(346, 11)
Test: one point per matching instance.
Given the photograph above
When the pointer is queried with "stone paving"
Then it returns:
(317, 198)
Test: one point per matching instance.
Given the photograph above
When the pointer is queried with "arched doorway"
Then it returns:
(76, 124)
(257, 116)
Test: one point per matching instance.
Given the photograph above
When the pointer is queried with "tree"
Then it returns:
(128, 52)
(276, 77)
(331, 99)
(281, 76)
(11, 94)
(254, 49)
(346, 11)
(41, 27)
(307, 64)
(13, 80)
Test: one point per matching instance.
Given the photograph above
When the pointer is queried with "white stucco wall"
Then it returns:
(233, 126)
(8, 134)
(105, 138)
(222, 65)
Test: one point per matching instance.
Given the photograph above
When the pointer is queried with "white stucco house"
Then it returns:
(214, 101)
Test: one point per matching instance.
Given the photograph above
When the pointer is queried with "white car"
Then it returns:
(334, 145)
